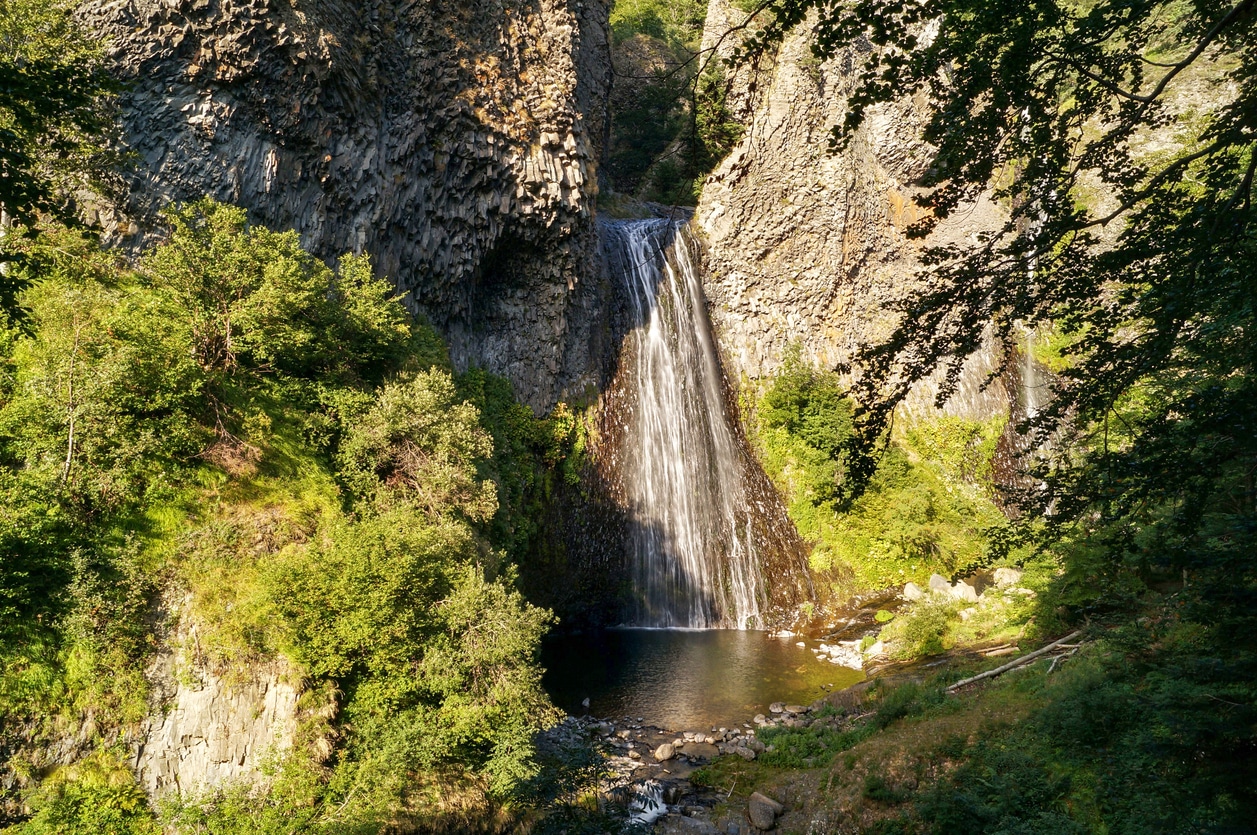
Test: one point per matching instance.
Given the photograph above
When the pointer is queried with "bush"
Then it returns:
(255, 299)
(96, 796)
(811, 747)
(925, 509)
(895, 702)
(191, 430)
(922, 628)
(418, 444)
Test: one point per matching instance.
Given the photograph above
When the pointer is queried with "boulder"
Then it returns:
(965, 614)
(939, 584)
(796, 709)
(1007, 577)
(911, 591)
(964, 591)
(760, 719)
(744, 752)
(763, 811)
(777, 707)
(665, 752)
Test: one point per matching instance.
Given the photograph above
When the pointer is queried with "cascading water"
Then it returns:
(695, 542)
(1033, 385)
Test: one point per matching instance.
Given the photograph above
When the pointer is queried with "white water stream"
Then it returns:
(694, 556)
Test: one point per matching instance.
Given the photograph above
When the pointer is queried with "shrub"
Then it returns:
(95, 796)
(926, 508)
(418, 444)
(922, 628)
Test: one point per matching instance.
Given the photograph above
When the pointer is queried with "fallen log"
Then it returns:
(1028, 657)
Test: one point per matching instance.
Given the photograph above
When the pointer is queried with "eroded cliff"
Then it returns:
(810, 247)
(455, 143)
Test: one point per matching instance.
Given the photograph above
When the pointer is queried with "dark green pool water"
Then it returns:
(684, 679)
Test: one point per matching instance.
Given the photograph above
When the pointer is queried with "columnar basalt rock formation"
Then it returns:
(217, 730)
(454, 142)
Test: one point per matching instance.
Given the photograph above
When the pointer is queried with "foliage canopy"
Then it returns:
(279, 444)
(56, 117)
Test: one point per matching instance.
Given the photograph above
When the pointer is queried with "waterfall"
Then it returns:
(683, 471)
(1032, 382)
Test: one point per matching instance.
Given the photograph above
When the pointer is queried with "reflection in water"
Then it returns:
(684, 679)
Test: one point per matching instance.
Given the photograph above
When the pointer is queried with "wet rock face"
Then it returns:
(455, 142)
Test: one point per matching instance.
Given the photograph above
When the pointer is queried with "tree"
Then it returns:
(55, 117)
(257, 302)
(1122, 137)
(419, 445)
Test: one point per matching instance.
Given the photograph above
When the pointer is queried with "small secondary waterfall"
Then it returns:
(1033, 385)
(695, 554)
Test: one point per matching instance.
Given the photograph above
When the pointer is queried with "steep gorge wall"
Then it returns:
(809, 247)
(456, 143)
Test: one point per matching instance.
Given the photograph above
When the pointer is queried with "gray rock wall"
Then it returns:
(455, 142)
(217, 731)
(807, 246)
(211, 726)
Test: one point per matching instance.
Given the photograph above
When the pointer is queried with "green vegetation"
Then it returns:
(926, 509)
(1095, 745)
(1138, 518)
(97, 794)
(670, 121)
(55, 121)
(278, 443)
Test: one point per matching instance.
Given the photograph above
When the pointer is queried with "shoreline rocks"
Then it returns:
(763, 811)
(648, 760)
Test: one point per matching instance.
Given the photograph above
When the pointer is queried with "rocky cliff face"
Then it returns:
(808, 246)
(212, 728)
(455, 142)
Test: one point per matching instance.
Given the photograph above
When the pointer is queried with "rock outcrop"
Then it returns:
(808, 246)
(211, 727)
(454, 142)
(217, 731)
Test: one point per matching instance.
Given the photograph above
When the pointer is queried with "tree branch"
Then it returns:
(1209, 37)
(1012, 664)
